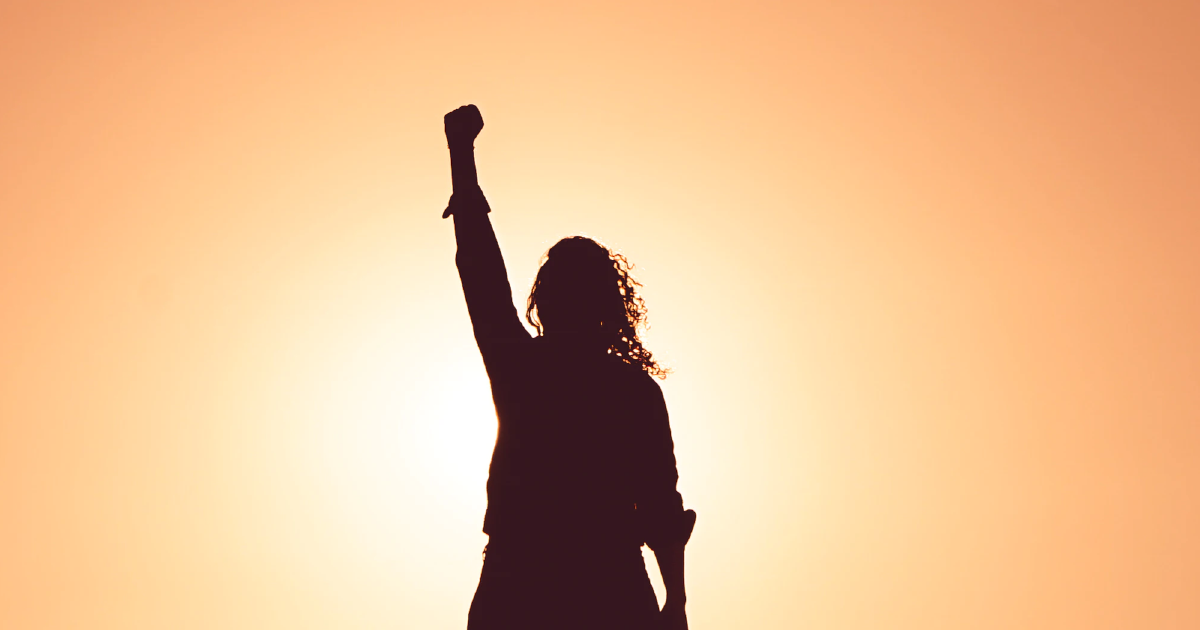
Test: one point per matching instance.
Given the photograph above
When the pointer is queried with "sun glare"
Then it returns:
(926, 275)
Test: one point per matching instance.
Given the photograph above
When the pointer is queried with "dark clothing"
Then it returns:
(583, 588)
(583, 471)
(583, 449)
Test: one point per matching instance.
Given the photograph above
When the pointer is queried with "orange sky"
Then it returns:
(926, 273)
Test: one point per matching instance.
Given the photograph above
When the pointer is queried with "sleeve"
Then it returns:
(659, 505)
(484, 279)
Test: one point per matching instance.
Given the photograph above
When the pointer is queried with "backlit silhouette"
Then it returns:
(583, 471)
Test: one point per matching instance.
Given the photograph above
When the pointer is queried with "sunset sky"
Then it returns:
(927, 273)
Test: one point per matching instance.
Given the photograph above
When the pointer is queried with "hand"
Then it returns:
(689, 519)
(672, 616)
(462, 125)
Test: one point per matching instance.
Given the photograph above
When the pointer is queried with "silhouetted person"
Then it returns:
(583, 471)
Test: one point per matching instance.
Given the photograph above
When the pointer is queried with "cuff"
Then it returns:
(469, 202)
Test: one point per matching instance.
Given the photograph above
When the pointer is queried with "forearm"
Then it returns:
(479, 259)
(670, 565)
(670, 535)
(462, 167)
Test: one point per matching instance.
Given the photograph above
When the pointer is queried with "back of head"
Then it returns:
(585, 290)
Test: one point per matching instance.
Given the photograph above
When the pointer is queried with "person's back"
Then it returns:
(583, 471)
(576, 447)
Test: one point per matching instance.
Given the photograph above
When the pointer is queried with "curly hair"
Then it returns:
(597, 280)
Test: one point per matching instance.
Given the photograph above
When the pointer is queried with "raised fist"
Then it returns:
(462, 125)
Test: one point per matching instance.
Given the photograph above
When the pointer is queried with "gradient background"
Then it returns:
(926, 272)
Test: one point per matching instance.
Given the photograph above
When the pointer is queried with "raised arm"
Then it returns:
(480, 264)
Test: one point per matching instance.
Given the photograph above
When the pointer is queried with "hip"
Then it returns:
(559, 585)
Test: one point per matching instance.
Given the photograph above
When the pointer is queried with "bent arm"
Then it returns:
(666, 524)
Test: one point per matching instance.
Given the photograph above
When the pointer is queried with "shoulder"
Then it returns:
(639, 381)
